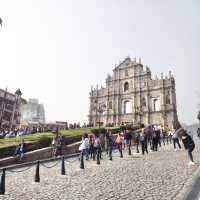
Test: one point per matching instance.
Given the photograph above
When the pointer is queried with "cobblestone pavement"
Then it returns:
(162, 175)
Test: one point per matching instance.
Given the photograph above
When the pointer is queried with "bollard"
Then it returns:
(2, 184)
(82, 161)
(98, 157)
(121, 154)
(63, 166)
(37, 172)
(129, 150)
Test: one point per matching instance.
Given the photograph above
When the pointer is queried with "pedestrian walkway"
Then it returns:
(159, 175)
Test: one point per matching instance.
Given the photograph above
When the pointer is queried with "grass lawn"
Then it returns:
(34, 138)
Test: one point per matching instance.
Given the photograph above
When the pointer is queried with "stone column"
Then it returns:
(148, 102)
(163, 102)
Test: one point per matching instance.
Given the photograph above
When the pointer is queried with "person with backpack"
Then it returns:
(189, 145)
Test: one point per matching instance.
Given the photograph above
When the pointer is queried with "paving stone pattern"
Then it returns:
(161, 175)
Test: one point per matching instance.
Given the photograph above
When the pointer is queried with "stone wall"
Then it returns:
(38, 155)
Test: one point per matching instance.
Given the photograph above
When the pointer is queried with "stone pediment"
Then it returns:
(124, 63)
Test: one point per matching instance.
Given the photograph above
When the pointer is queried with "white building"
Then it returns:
(33, 112)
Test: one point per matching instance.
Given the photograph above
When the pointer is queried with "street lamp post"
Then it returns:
(99, 110)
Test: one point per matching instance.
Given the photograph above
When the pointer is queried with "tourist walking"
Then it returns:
(125, 134)
(91, 146)
(158, 133)
(83, 148)
(155, 139)
(170, 134)
(59, 145)
(137, 141)
(175, 137)
(119, 141)
(127, 138)
(110, 144)
(143, 140)
(189, 145)
(97, 146)
(162, 136)
(54, 145)
(166, 133)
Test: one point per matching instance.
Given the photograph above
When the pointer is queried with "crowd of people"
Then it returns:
(6, 132)
(146, 139)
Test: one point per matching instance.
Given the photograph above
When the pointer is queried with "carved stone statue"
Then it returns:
(168, 98)
(143, 102)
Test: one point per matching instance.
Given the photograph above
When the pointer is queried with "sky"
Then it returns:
(55, 50)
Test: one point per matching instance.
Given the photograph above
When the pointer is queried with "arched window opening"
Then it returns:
(156, 105)
(127, 107)
(126, 86)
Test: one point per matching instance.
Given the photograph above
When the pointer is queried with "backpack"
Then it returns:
(142, 137)
(97, 143)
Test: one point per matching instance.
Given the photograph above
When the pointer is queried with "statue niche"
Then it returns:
(168, 98)
(144, 102)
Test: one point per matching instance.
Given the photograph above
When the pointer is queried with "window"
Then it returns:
(156, 104)
(126, 72)
(127, 107)
(110, 105)
(126, 86)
